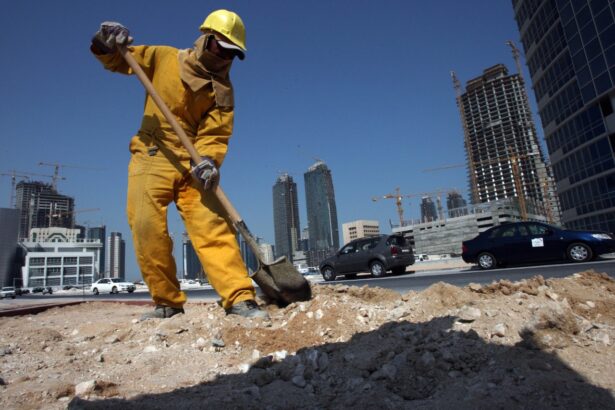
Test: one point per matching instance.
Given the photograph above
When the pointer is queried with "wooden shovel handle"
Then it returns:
(194, 155)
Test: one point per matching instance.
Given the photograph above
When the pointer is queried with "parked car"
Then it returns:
(376, 255)
(7, 292)
(43, 290)
(21, 291)
(524, 242)
(112, 285)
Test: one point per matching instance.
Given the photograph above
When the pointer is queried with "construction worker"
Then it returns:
(195, 85)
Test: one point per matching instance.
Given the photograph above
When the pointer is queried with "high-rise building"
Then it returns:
(570, 53)
(115, 257)
(321, 209)
(504, 155)
(191, 263)
(455, 205)
(99, 233)
(41, 206)
(9, 227)
(428, 209)
(359, 229)
(286, 216)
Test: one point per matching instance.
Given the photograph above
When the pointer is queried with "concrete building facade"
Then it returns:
(570, 53)
(60, 260)
(41, 206)
(444, 237)
(501, 143)
(359, 229)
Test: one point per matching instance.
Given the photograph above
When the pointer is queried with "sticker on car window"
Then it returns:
(538, 243)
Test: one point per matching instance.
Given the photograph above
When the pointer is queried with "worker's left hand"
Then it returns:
(207, 172)
(110, 35)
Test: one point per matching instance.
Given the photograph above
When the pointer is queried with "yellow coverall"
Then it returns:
(159, 173)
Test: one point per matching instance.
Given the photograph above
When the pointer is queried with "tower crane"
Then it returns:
(56, 171)
(59, 214)
(18, 174)
(513, 160)
(397, 196)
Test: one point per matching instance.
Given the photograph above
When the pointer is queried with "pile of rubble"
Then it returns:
(530, 344)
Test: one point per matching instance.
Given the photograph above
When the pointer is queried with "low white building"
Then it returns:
(55, 257)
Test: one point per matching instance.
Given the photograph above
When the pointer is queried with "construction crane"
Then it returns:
(18, 174)
(56, 171)
(59, 214)
(398, 197)
(513, 160)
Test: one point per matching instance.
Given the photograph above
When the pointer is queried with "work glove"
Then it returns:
(110, 35)
(206, 172)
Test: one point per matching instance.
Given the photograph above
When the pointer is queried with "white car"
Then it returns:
(7, 292)
(112, 285)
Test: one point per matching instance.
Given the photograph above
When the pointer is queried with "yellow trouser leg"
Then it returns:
(151, 183)
(215, 243)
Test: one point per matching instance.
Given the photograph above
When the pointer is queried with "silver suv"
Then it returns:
(375, 255)
(7, 292)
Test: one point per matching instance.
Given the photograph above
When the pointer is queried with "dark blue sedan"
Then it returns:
(525, 242)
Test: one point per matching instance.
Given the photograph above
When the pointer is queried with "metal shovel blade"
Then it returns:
(280, 281)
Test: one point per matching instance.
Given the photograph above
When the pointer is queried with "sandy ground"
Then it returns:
(531, 344)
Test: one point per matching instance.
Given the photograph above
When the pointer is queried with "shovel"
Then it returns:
(279, 280)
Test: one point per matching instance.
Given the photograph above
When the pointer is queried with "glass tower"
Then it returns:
(321, 209)
(570, 53)
(286, 216)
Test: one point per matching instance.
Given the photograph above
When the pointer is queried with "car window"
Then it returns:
(115, 280)
(523, 231)
(350, 248)
(507, 232)
(397, 240)
(495, 233)
(536, 229)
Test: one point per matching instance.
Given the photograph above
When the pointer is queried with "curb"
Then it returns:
(35, 309)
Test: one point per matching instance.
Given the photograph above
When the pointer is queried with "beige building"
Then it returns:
(359, 229)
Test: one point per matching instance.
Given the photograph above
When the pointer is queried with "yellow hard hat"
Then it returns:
(228, 24)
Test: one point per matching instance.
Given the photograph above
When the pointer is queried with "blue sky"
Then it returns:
(363, 85)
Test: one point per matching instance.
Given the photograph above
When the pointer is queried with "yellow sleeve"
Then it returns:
(214, 133)
(144, 55)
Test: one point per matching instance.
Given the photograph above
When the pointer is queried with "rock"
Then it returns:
(2, 382)
(475, 287)
(399, 312)
(499, 330)
(590, 304)
(310, 315)
(318, 314)
(552, 295)
(602, 337)
(150, 349)
(201, 343)
(215, 342)
(469, 314)
(100, 358)
(5, 350)
(539, 364)
(279, 355)
(85, 388)
(112, 339)
(299, 381)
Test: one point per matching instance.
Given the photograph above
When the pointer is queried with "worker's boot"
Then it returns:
(162, 312)
(247, 308)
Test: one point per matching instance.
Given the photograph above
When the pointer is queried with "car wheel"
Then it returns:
(350, 275)
(579, 252)
(399, 271)
(95, 291)
(114, 290)
(131, 290)
(486, 261)
(377, 269)
(328, 273)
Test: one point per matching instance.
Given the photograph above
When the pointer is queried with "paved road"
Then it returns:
(401, 284)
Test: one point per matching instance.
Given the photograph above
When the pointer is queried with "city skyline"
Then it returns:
(377, 109)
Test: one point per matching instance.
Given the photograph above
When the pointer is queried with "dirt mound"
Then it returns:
(530, 344)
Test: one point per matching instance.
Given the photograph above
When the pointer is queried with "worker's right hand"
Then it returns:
(110, 35)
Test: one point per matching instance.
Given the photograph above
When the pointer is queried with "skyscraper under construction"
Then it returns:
(41, 206)
(502, 149)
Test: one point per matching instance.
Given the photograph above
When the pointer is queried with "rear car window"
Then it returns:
(397, 240)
